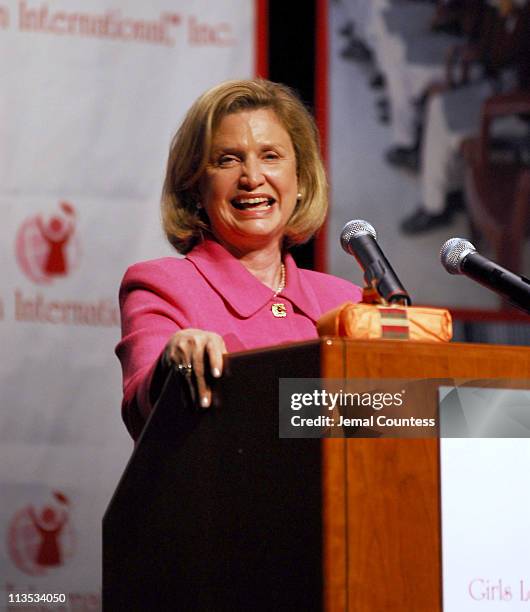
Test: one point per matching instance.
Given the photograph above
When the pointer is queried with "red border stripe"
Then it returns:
(500, 316)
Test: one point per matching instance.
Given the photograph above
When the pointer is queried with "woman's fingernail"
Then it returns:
(205, 401)
(216, 372)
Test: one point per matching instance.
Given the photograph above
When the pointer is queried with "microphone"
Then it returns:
(459, 256)
(358, 238)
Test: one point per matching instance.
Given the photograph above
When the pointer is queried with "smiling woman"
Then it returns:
(244, 182)
(250, 185)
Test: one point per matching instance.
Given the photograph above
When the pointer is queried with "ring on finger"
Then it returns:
(185, 369)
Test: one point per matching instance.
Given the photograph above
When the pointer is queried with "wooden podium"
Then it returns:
(215, 512)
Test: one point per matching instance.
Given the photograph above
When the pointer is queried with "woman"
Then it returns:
(244, 182)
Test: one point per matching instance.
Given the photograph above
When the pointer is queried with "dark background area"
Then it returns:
(292, 35)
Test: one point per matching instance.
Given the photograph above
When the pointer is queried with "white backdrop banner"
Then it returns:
(91, 93)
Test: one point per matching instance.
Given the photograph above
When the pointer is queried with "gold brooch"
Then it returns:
(279, 310)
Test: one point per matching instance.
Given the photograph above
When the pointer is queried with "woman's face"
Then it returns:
(250, 185)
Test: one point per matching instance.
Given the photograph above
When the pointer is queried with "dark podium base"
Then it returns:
(214, 511)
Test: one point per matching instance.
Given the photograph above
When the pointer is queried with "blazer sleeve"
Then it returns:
(150, 315)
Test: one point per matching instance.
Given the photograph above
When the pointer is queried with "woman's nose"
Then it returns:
(251, 174)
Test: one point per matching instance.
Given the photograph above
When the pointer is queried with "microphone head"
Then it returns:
(453, 253)
(354, 229)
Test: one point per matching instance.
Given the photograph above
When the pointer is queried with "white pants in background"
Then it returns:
(451, 116)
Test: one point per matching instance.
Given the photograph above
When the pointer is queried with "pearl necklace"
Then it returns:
(281, 286)
(279, 309)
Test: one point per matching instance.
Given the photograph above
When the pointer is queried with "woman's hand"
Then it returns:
(194, 351)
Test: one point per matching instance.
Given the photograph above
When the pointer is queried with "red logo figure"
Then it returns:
(41, 540)
(47, 248)
(49, 526)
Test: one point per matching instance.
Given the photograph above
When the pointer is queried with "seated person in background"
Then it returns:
(411, 57)
(244, 182)
(453, 112)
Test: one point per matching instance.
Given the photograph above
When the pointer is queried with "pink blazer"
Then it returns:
(210, 289)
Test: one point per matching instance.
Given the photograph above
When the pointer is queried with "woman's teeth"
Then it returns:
(255, 203)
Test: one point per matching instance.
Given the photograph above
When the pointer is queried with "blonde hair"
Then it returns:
(189, 153)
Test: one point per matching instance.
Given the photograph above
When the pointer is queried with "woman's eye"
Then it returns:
(227, 160)
(271, 155)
